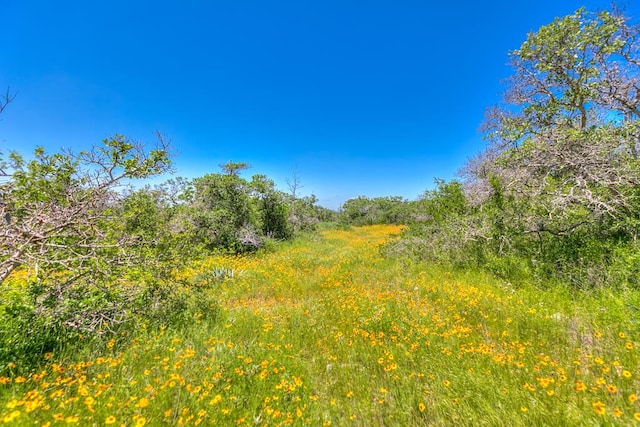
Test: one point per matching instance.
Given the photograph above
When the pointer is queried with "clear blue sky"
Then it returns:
(361, 97)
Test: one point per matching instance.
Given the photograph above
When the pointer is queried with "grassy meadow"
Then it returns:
(324, 330)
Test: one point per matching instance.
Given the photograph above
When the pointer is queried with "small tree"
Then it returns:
(559, 182)
(234, 168)
(568, 134)
(272, 208)
(55, 207)
(62, 221)
(223, 212)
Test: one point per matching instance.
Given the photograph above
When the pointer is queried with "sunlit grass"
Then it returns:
(325, 331)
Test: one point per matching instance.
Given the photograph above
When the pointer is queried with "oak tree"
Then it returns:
(565, 141)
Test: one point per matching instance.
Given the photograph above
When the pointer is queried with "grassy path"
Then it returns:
(328, 332)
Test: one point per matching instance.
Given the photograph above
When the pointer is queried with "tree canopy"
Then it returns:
(556, 191)
(567, 133)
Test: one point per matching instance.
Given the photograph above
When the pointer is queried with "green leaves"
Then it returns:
(556, 190)
(565, 73)
(234, 214)
(56, 204)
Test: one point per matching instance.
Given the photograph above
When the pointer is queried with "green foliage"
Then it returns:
(25, 335)
(73, 238)
(161, 233)
(85, 258)
(325, 329)
(230, 213)
(37, 319)
(304, 214)
(173, 304)
(379, 210)
(445, 201)
(438, 233)
(272, 209)
(54, 205)
(224, 213)
(555, 196)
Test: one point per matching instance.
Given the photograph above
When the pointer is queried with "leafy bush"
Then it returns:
(38, 319)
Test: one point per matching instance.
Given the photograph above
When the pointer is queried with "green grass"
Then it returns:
(324, 331)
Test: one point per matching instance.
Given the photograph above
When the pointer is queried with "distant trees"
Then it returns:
(556, 192)
(363, 210)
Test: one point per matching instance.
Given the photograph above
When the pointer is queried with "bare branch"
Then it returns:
(6, 98)
(294, 184)
(57, 209)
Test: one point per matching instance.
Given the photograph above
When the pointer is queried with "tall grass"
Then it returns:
(326, 331)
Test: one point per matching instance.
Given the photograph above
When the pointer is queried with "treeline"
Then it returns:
(363, 210)
(218, 212)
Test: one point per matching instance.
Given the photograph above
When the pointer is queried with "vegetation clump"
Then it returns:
(82, 254)
(555, 195)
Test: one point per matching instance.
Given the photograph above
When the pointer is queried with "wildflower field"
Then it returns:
(325, 330)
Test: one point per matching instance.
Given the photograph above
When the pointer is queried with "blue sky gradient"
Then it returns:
(361, 98)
